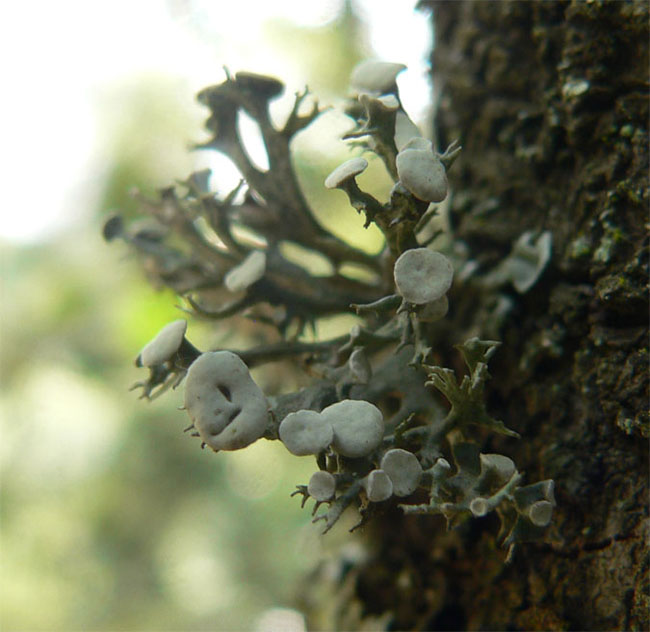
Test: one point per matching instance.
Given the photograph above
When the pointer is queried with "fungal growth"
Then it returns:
(306, 432)
(403, 469)
(227, 408)
(421, 171)
(378, 486)
(164, 346)
(322, 486)
(358, 427)
(343, 176)
(376, 77)
(381, 421)
(167, 357)
(423, 276)
(247, 272)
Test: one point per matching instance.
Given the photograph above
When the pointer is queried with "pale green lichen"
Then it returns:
(365, 452)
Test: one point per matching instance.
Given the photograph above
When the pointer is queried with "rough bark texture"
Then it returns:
(549, 101)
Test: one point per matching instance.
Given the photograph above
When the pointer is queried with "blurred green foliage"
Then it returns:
(111, 517)
(340, 42)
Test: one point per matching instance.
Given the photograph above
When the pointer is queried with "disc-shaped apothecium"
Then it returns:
(536, 502)
(305, 432)
(375, 76)
(249, 271)
(528, 260)
(358, 427)
(540, 513)
(497, 468)
(421, 171)
(403, 469)
(422, 275)
(227, 408)
(166, 343)
(345, 172)
(378, 486)
(322, 486)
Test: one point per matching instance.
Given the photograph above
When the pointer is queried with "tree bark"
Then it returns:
(550, 103)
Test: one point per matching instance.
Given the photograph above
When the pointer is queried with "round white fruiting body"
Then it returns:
(358, 427)
(499, 466)
(378, 486)
(422, 275)
(480, 507)
(529, 259)
(249, 271)
(421, 172)
(305, 432)
(540, 513)
(375, 76)
(227, 408)
(166, 343)
(322, 486)
(403, 469)
(346, 171)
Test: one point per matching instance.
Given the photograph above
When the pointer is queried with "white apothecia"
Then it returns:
(403, 469)
(227, 408)
(166, 343)
(378, 486)
(305, 432)
(480, 506)
(322, 486)
(540, 513)
(422, 275)
(375, 77)
(529, 259)
(249, 271)
(345, 173)
(498, 466)
(537, 502)
(358, 427)
(420, 170)
(358, 459)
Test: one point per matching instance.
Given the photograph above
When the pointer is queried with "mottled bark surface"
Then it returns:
(550, 103)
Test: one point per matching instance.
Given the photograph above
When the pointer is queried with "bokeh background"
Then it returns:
(111, 517)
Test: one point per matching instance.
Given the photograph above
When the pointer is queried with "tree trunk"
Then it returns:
(549, 101)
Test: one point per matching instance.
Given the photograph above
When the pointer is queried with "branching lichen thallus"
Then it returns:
(370, 417)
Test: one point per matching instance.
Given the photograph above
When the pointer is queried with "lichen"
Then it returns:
(366, 454)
